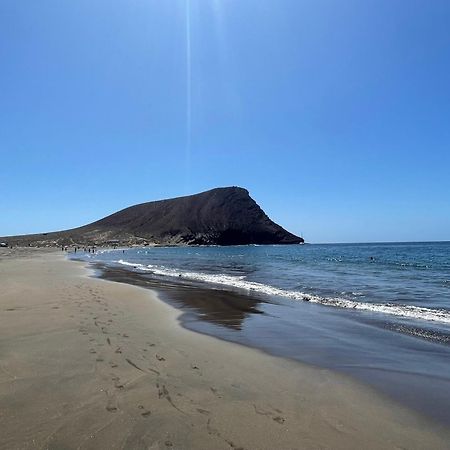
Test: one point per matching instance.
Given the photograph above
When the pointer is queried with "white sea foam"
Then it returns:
(408, 311)
(126, 263)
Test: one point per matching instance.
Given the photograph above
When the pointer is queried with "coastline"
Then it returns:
(90, 363)
(407, 369)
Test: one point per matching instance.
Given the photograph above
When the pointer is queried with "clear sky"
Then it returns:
(334, 114)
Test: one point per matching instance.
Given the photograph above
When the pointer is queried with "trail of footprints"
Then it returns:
(102, 319)
(97, 313)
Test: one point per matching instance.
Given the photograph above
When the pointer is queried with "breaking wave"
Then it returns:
(407, 311)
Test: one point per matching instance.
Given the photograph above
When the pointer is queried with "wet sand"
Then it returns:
(90, 363)
(412, 371)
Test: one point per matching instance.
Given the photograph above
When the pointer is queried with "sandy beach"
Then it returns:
(87, 363)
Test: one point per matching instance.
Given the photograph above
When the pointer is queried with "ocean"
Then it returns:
(377, 312)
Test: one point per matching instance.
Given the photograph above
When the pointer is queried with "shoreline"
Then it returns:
(314, 341)
(91, 363)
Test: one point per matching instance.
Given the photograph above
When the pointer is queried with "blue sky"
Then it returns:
(334, 114)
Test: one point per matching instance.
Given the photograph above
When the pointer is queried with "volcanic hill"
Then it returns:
(221, 216)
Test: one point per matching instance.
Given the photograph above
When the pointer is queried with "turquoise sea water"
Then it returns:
(378, 312)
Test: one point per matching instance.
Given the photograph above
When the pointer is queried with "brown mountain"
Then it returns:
(222, 216)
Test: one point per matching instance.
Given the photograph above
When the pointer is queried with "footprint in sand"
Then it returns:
(215, 432)
(215, 392)
(279, 419)
(160, 358)
(270, 414)
(163, 392)
(197, 369)
(118, 384)
(111, 405)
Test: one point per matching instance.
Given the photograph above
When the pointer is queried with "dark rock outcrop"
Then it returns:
(222, 216)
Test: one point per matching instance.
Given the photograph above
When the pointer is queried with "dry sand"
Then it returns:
(88, 363)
